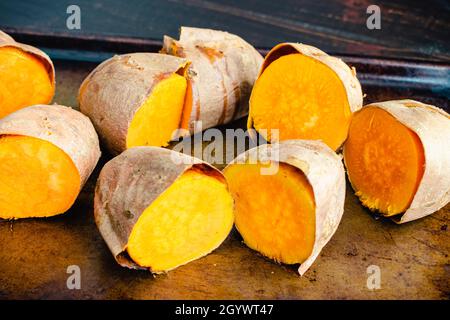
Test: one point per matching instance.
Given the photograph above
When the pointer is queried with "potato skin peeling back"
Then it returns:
(223, 70)
(130, 184)
(67, 130)
(432, 127)
(323, 170)
(305, 94)
(27, 76)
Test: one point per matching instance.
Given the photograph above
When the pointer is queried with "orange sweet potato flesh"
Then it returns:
(24, 81)
(37, 179)
(385, 161)
(160, 116)
(187, 221)
(275, 214)
(302, 98)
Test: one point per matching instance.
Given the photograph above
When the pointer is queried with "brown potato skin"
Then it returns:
(223, 69)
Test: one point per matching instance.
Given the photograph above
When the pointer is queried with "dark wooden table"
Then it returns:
(407, 58)
(410, 29)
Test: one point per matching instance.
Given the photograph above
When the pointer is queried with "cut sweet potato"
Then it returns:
(163, 109)
(291, 214)
(26, 74)
(184, 223)
(37, 179)
(305, 94)
(274, 213)
(135, 99)
(46, 155)
(155, 214)
(385, 160)
(398, 160)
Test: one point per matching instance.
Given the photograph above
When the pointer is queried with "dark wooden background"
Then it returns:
(408, 58)
(413, 30)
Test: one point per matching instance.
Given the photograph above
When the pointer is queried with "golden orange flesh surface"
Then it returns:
(385, 161)
(24, 81)
(275, 214)
(160, 116)
(37, 179)
(187, 221)
(303, 99)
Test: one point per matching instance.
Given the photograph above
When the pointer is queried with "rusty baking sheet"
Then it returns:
(413, 258)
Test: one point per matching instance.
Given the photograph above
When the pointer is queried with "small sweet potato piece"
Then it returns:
(155, 213)
(47, 153)
(305, 94)
(398, 160)
(289, 199)
(27, 76)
